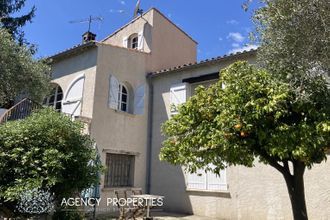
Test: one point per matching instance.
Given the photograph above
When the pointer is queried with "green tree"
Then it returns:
(249, 114)
(20, 73)
(294, 38)
(47, 150)
(14, 24)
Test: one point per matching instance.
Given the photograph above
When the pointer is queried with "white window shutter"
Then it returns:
(216, 182)
(113, 92)
(196, 180)
(178, 95)
(71, 103)
(140, 40)
(72, 108)
(125, 42)
(139, 100)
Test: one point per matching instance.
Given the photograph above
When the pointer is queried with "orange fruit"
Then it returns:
(238, 126)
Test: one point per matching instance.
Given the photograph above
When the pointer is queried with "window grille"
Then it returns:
(120, 170)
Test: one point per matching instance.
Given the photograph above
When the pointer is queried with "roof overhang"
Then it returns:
(72, 51)
(202, 63)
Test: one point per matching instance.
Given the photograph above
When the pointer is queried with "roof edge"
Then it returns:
(124, 48)
(135, 19)
(200, 63)
(72, 50)
(125, 25)
(180, 29)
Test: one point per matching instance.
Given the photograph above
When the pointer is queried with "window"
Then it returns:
(54, 99)
(123, 98)
(120, 95)
(206, 181)
(133, 41)
(120, 170)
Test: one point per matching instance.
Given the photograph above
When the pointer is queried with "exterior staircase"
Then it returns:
(20, 110)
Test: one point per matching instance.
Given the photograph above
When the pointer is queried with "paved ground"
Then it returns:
(171, 216)
(167, 216)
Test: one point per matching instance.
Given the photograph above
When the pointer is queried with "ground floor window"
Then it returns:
(119, 170)
(202, 180)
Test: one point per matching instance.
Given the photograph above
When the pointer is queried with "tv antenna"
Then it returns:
(138, 10)
(88, 20)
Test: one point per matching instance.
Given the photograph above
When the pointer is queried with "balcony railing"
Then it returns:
(19, 111)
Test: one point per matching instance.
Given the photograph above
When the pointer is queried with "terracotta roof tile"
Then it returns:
(195, 64)
(72, 50)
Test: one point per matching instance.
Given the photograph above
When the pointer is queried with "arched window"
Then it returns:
(123, 98)
(121, 95)
(133, 41)
(54, 100)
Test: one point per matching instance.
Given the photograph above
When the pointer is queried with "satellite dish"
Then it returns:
(137, 10)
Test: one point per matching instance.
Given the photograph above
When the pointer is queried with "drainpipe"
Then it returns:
(149, 134)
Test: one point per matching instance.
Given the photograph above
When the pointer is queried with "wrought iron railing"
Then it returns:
(20, 110)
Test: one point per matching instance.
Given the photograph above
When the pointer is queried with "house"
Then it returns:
(123, 88)
(239, 193)
(104, 84)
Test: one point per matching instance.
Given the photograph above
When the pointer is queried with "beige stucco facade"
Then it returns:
(116, 131)
(167, 45)
(67, 70)
(252, 193)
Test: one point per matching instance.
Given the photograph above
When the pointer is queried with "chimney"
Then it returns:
(88, 36)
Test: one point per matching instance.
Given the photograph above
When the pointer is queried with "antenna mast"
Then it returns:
(138, 10)
(88, 20)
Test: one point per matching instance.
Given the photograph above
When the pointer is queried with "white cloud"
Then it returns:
(241, 49)
(220, 39)
(233, 22)
(117, 11)
(235, 45)
(122, 2)
(236, 36)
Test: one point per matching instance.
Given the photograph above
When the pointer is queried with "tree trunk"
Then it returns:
(296, 189)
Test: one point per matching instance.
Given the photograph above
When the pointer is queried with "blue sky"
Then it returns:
(219, 26)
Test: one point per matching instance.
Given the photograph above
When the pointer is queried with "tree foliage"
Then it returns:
(20, 73)
(255, 115)
(14, 24)
(295, 41)
(279, 114)
(47, 150)
(250, 114)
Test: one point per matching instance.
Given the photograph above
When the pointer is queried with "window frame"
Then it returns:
(120, 98)
(134, 41)
(53, 104)
(115, 158)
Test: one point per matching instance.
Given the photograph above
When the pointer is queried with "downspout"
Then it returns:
(149, 134)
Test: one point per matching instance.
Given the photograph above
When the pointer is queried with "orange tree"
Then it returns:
(249, 114)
